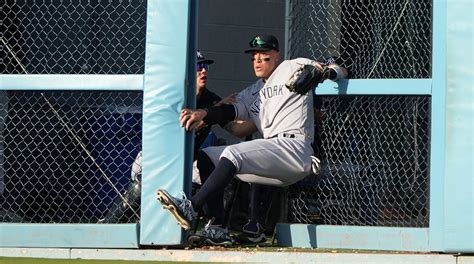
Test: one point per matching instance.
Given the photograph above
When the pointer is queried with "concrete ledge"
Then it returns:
(279, 255)
(51, 253)
(465, 260)
(24, 235)
(353, 237)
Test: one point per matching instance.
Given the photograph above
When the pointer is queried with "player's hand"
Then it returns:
(227, 100)
(305, 78)
(318, 65)
(192, 119)
(200, 125)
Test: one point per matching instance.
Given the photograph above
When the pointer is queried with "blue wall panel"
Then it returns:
(69, 235)
(459, 143)
(451, 179)
(164, 92)
(353, 237)
(437, 127)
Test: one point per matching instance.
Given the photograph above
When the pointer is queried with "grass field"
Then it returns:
(4, 260)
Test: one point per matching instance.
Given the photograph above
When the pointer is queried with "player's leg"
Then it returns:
(214, 232)
(283, 160)
(184, 210)
(216, 182)
(214, 208)
(286, 159)
(260, 200)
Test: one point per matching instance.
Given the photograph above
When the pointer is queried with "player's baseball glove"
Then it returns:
(305, 78)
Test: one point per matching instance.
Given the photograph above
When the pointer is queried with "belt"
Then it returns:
(287, 135)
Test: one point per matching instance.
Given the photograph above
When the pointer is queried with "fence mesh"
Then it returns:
(60, 151)
(375, 164)
(72, 36)
(66, 156)
(374, 39)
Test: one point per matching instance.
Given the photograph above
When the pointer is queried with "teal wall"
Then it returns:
(168, 85)
(165, 93)
(451, 175)
(451, 189)
(165, 84)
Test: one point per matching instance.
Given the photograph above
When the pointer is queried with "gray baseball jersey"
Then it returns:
(273, 108)
(286, 122)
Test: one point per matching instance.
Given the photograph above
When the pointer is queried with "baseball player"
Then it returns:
(280, 105)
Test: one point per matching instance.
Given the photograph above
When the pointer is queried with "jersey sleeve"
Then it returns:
(216, 99)
(241, 104)
(335, 60)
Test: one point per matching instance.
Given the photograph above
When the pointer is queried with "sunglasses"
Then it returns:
(201, 66)
(261, 59)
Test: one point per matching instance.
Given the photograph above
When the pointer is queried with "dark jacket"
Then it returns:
(205, 100)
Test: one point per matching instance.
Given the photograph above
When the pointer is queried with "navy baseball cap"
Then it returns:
(263, 43)
(202, 59)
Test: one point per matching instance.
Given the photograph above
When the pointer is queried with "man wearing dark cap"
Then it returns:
(205, 98)
(285, 119)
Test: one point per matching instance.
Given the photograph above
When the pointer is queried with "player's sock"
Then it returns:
(260, 201)
(205, 166)
(217, 181)
(214, 208)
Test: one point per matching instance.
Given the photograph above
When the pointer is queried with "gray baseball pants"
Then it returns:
(277, 161)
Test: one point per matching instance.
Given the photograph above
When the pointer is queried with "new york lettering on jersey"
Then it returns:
(265, 93)
(271, 106)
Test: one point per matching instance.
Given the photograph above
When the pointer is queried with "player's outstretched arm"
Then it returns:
(308, 76)
(305, 78)
(193, 119)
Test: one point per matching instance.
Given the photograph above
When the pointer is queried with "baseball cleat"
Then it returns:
(252, 233)
(245, 238)
(211, 235)
(181, 209)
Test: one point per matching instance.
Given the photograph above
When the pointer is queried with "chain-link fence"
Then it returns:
(375, 152)
(67, 155)
(374, 148)
(72, 36)
(374, 39)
